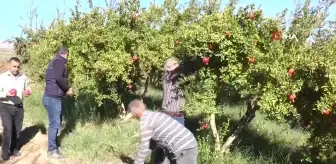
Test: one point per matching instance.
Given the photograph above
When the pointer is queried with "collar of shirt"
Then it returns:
(9, 81)
(62, 58)
(8, 73)
(168, 76)
(144, 116)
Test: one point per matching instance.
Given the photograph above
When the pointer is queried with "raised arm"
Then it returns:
(190, 66)
(187, 67)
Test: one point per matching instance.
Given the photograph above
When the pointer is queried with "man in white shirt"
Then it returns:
(13, 87)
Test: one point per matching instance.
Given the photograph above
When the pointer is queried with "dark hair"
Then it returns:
(16, 59)
(63, 51)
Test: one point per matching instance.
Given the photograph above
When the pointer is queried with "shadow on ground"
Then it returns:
(252, 141)
(82, 110)
(126, 160)
(29, 133)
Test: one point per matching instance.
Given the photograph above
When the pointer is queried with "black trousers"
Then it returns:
(12, 120)
(161, 155)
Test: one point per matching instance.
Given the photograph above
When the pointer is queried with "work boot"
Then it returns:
(4, 159)
(16, 153)
(55, 154)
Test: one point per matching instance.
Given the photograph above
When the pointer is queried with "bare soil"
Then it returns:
(35, 152)
(34, 142)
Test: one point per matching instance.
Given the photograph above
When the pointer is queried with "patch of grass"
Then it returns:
(35, 112)
(271, 130)
(262, 142)
(102, 143)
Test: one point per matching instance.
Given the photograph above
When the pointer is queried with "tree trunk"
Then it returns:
(214, 131)
(247, 118)
(146, 89)
(122, 110)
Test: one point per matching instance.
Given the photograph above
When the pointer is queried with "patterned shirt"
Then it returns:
(8, 82)
(173, 98)
(166, 131)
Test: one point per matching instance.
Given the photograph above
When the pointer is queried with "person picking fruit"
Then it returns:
(13, 85)
(56, 79)
(179, 142)
(173, 98)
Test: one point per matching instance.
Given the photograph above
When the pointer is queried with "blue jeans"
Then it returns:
(54, 110)
(180, 119)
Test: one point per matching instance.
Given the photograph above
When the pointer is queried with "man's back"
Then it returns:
(56, 78)
(166, 131)
(173, 98)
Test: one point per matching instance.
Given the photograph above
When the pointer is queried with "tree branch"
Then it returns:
(247, 118)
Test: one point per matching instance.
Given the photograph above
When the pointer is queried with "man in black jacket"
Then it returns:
(56, 79)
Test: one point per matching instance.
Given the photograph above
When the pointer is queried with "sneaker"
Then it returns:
(16, 153)
(55, 154)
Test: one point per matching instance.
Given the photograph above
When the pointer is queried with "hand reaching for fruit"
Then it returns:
(70, 92)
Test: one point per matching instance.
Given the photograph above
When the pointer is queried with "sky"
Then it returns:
(14, 13)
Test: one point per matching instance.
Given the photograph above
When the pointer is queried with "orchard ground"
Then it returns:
(113, 141)
(89, 141)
